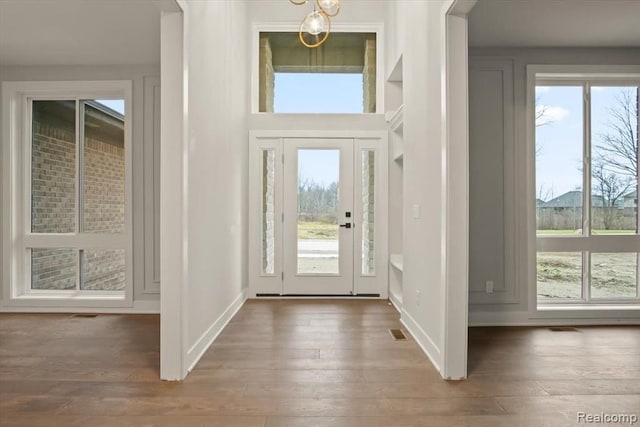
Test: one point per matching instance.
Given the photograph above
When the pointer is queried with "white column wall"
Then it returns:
(218, 170)
(204, 183)
(420, 46)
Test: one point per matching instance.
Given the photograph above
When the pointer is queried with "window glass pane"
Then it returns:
(103, 270)
(614, 275)
(318, 183)
(54, 269)
(268, 210)
(559, 154)
(368, 212)
(103, 169)
(559, 275)
(614, 163)
(339, 76)
(53, 167)
(318, 93)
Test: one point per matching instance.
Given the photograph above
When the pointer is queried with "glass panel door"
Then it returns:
(318, 216)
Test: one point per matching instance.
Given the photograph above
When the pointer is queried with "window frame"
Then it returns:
(17, 146)
(586, 243)
(339, 27)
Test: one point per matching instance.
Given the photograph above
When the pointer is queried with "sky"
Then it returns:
(559, 141)
(318, 93)
(321, 166)
(114, 104)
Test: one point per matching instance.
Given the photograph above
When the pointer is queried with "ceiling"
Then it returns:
(79, 32)
(555, 23)
(118, 32)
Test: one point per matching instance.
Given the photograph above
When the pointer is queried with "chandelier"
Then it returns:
(316, 26)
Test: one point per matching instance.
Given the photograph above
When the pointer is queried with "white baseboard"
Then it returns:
(139, 307)
(204, 342)
(519, 318)
(424, 341)
(396, 301)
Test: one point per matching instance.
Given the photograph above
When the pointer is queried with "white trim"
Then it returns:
(378, 283)
(504, 291)
(575, 318)
(321, 297)
(454, 191)
(396, 301)
(173, 170)
(151, 178)
(17, 98)
(260, 283)
(309, 133)
(342, 27)
(208, 337)
(422, 339)
(139, 307)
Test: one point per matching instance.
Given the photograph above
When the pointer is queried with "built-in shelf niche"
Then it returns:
(395, 120)
(396, 261)
(395, 76)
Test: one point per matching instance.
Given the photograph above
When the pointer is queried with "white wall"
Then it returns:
(217, 169)
(352, 11)
(499, 248)
(416, 27)
(145, 298)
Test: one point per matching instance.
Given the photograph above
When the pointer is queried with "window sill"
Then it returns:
(46, 301)
(588, 307)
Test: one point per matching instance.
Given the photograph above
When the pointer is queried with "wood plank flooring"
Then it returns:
(308, 363)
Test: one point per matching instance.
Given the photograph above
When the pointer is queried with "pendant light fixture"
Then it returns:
(329, 7)
(314, 29)
(316, 26)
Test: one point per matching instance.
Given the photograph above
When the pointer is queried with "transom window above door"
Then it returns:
(340, 76)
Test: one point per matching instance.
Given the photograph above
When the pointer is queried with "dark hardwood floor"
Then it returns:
(308, 363)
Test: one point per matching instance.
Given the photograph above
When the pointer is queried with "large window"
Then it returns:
(586, 163)
(72, 231)
(337, 77)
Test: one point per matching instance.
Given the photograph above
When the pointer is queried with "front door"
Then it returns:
(318, 215)
(318, 223)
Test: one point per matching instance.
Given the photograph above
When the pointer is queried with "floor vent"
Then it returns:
(83, 315)
(563, 329)
(397, 334)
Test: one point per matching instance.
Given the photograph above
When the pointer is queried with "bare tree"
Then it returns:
(618, 151)
(544, 193)
(615, 164)
(542, 119)
(611, 188)
(542, 114)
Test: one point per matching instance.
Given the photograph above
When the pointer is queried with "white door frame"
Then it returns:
(455, 188)
(271, 284)
(173, 173)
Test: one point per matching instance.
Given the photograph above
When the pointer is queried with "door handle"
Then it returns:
(346, 225)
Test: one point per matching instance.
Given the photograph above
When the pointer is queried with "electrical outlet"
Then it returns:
(417, 296)
(489, 286)
(416, 211)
